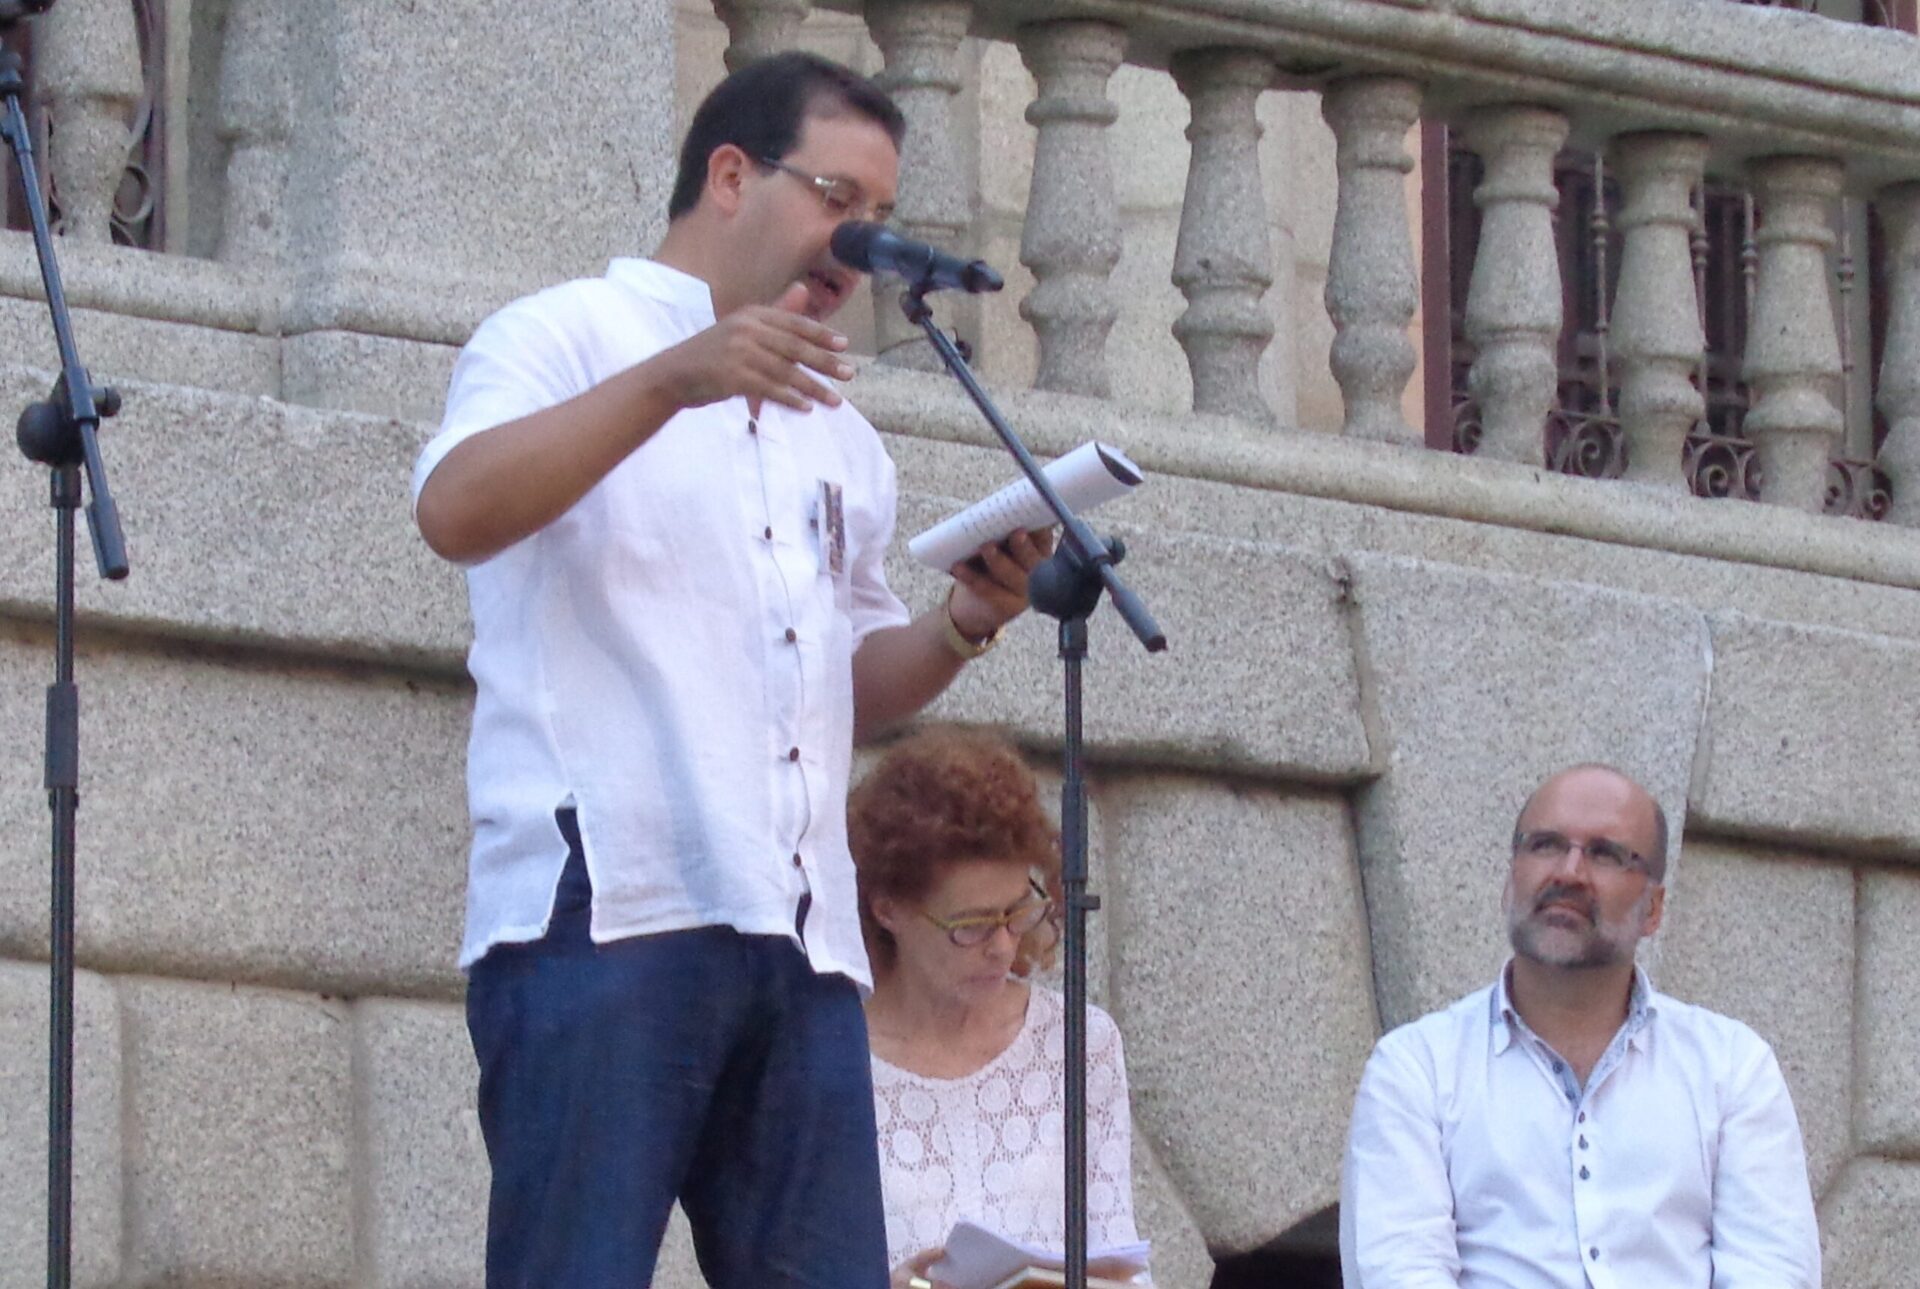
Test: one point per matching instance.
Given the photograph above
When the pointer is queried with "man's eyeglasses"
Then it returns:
(843, 198)
(1022, 919)
(1546, 846)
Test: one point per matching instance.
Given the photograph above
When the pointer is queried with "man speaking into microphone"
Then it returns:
(673, 528)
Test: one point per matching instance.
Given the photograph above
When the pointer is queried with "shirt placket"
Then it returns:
(785, 544)
(1583, 1150)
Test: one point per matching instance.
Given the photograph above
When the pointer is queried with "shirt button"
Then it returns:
(1583, 1173)
(1557, 1067)
(792, 635)
(753, 426)
(767, 533)
(1583, 1143)
(1583, 1116)
(1594, 1253)
(793, 754)
(796, 859)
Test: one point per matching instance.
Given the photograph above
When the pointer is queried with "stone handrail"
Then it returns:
(1800, 109)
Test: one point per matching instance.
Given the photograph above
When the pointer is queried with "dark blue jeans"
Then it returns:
(708, 1066)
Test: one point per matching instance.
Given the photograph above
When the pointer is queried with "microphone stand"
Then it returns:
(60, 433)
(1067, 586)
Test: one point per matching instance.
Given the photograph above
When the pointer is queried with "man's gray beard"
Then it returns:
(1525, 935)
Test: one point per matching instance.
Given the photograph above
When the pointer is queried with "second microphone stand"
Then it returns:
(1067, 586)
(60, 433)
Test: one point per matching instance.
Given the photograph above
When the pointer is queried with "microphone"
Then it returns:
(873, 248)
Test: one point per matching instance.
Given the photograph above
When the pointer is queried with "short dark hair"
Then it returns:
(759, 109)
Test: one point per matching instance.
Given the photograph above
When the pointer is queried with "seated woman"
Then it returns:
(958, 866)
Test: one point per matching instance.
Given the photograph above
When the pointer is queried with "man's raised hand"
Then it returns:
(763, 352)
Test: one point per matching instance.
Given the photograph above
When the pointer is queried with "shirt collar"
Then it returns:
(1641, 1008)
(682, 291)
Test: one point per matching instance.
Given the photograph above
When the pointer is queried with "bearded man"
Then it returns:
(1568, 1126)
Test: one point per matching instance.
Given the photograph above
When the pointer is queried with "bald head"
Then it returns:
(1594, 785)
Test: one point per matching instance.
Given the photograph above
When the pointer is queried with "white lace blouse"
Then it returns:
(990, 1147)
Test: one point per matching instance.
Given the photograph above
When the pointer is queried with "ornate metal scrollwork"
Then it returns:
(138, 202)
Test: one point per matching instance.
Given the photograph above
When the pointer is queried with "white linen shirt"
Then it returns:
(1474, 1158)
(673, 656)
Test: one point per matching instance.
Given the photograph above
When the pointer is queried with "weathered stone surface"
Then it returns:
(119, 347)
(294, 496)
(97, 1216)
(293, 827)
(1235, 916)
(1180, 1257)
(1778, 767)
(1867, 1223)
(1768, 939)
(420, 1161)
(1476, 687)
(1236, 615)
(383, 235)
(1886, 1100)
(239, 1123)
(376, 375)
(1489, 512)
(250, 520)
(678, 1268)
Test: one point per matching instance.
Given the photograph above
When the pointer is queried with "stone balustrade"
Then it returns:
(1800, 110)
(1805, 113)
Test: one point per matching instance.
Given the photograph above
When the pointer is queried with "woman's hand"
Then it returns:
(912, 1274)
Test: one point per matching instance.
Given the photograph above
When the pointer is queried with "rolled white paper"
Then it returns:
(1089, 476)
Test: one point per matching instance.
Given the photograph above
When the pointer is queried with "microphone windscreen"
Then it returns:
(852, 244)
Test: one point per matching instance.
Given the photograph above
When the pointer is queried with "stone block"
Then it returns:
(1870, 1226)
(1238, 943)
(1814, 737)
(294, 827)
(1768, 939)
(375, 375)
(1148, 141)
(394, 246)
(678, 1267)
(421, 1164)
(1473, 685)
(239, 1124)
(1236, 617)
(118, 346)
(1180, 1257)
(1149, 367)
(97, 1217)
(1006, 87)
(1886, 1095)
(247, 521)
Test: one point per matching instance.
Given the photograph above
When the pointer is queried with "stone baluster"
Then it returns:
(89, 78)
(1072, 236)
(1513, 296)
(1223, 263)
(1899, 208)
(756, 28)
(1372, 289)
(921, 42)
(256, 124)
(1793, 349)
(1656, 316)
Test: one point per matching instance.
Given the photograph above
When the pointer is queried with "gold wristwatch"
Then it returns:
(967, 650)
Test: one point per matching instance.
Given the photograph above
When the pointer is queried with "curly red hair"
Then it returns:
(948, 796)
